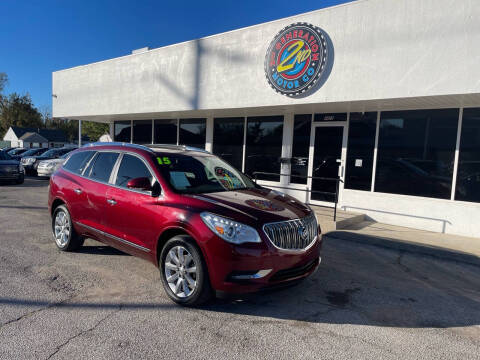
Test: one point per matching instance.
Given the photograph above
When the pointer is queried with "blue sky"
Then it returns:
(41, 36)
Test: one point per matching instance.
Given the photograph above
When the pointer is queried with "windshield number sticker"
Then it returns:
(164, 160)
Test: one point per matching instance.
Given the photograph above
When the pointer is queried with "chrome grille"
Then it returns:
(295, 234)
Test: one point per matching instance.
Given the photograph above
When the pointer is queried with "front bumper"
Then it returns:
(253, 267)
(45, 171)
(11, 176)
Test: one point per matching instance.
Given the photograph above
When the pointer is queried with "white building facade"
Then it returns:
(391, 106)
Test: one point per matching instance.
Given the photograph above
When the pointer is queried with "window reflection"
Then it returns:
(468, 174)
(300, 148)
(264, 146)
(416, 152)
(192, 132)
(228, 139)
(142, 131)
(165, 131)
(361, 143)
(122, 131)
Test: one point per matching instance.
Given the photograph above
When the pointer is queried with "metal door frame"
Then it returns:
(344, 125)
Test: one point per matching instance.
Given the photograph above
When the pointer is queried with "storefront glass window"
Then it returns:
(361, 143)
(264, 146)
(165, 132)
(468, 174)
(192, 132)
(122, 131)
(142, 131)
(228, 140)
(300, 149)
(416, 152)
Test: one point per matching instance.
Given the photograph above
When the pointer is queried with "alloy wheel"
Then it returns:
(180, 272)
(62, 229)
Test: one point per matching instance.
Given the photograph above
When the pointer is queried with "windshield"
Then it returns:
(4, 156)
(16, 151)
(51, 152)
(197, 174)
(31, 152)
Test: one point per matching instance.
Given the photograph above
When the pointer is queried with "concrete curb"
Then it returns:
(415, 248)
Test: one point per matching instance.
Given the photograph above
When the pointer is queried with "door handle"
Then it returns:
(78, 191)
(111, 201)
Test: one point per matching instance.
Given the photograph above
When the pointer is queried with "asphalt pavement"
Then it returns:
(364, 302)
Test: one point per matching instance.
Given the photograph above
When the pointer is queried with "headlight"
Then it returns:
(50, 165)
(28, 161)
(229, 230)
(20, 167)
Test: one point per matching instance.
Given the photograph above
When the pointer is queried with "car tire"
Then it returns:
(183, 285)
(64, 234)
(21, 180)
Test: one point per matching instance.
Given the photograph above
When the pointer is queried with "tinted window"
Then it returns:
(264, 146)
(165, 132)
(468, 175)
(300, 149)
(416, 152)
(228, 139)
(122, 131)
(192, 132)
(142, 131)
(131, 167)
(361, 143)
(102, 166)
(77, 162)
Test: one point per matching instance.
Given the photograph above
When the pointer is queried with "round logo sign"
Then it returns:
(296, 58)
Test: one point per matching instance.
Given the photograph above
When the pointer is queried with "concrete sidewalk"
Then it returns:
(452, 247)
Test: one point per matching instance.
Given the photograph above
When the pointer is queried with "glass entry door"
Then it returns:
(327, 159)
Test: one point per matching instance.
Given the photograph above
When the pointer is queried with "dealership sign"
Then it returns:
(296, 59)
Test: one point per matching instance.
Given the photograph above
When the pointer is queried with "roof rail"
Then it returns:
(149, 147)
(135, 146)
(177, 147)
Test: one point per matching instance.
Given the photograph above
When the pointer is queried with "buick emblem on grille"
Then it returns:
(303, 232)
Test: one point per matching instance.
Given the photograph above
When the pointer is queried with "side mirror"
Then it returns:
(141, 183)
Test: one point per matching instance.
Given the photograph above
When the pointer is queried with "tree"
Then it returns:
(3, 81)
(94, 130)
(17, 110)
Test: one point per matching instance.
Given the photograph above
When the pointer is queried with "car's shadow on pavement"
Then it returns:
(100, 250)
(365, 285)
(355, 284)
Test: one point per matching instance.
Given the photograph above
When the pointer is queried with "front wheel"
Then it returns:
(184, 273)
(64, 234)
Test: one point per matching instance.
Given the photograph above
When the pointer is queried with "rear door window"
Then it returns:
(131, 167)
(101, 167)
(78, 161)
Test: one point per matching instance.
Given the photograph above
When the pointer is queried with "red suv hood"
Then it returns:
(262, 205)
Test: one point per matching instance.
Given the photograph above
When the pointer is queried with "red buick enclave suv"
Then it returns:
(204, 224)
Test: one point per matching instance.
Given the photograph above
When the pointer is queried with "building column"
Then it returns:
(209, 134)
(287, 142)
(112, 131)
(79, 133)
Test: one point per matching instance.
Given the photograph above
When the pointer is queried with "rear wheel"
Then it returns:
(64, 234)
(184, 273)
(21, 179)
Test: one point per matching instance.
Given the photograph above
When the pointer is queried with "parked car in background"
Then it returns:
(11, 170)
(16, 151)
(7, 149)
(204, 224)
(48, 167)
(31, 162)
(30, 152)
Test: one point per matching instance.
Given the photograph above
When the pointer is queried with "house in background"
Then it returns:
(34, 137)
(32, 140)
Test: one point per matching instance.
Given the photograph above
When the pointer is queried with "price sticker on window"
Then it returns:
(163, 160)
